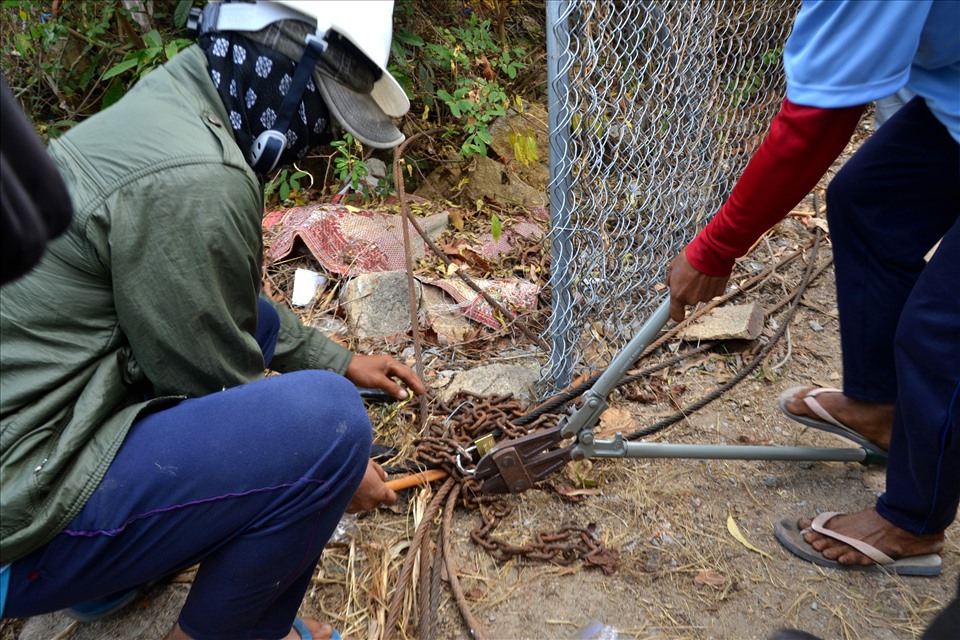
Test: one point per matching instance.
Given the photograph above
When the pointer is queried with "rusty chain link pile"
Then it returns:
(448, 443)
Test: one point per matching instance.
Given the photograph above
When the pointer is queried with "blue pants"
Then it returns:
(899, 316)
(250, 482)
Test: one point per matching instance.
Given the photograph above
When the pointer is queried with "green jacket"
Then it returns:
(154, 286)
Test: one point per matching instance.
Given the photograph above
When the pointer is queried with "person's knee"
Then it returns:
(843, 191)
(324, 406)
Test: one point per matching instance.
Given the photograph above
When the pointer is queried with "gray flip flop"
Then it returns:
(826, 422)
(791, 537)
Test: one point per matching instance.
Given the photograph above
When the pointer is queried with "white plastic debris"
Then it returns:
(305, 286)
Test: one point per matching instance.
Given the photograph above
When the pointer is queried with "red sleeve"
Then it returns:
(801, 145)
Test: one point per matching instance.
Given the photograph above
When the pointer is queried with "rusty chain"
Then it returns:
(453, 432)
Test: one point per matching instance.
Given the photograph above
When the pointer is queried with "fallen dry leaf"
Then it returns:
(818, 222)
(613, 420)
(710, 577)
(735, 532)
(605, 559)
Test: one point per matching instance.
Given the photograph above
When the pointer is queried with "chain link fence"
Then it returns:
(655, 108)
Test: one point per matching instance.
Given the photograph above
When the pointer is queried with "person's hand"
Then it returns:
(378, 372)
(372, 491)
(688, 286)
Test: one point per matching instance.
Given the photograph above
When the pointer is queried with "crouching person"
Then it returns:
(139, 434)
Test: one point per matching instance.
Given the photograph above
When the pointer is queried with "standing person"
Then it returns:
(899, 316)
(139, 434)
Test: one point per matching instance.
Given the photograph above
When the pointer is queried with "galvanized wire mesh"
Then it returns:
(655, 108)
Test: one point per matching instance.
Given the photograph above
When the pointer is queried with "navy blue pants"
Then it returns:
(900, 316)
(250, 482)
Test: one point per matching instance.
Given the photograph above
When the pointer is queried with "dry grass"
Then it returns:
(668, 519)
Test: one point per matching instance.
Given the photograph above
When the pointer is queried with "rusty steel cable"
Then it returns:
(426, 619)
(396, 601)
(476, 629)
(745, 371)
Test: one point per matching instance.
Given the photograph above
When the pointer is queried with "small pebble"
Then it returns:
(770, 482)
(492, 618)
(806, 465)
(813, 605)
(816, 326)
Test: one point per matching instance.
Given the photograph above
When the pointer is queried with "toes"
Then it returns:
(851, 557)
(821, 544)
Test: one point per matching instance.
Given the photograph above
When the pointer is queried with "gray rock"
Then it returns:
(377, 304)
(516, 129)
(497, 380)
(485, 178)
(737, 322)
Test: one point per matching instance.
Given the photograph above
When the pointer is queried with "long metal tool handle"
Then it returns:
(595, 399)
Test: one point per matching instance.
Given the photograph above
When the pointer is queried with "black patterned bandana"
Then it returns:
(252, 80)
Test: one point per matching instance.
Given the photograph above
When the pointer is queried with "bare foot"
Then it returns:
(870, 527)
(318, 630)
(872, 420)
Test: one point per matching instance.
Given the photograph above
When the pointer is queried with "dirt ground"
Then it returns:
(682, 574)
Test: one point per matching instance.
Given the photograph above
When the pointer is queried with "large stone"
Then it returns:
(484, 178)
(497, 380)
(515, 129)
(738, 322)
(377, 305)
(489, 178)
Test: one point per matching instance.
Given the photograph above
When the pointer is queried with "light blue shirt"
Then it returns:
(4, 585)
(843, 53)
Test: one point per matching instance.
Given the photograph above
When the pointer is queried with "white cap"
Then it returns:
(363, 109)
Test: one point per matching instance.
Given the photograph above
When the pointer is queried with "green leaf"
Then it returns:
(181, 13)
(152, 39)
(284, 191)
(408, 38)
(119, 68)
(496, 228)
(170, 49)
(113, 93)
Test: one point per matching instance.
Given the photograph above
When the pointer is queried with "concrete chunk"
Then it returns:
(497, 380)
(377, 304)
(738, 322)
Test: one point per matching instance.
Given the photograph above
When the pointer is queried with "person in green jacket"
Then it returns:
(139, 433)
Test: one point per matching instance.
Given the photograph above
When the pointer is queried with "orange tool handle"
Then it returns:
(415, 479)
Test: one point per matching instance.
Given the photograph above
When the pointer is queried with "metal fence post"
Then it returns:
(560, 365)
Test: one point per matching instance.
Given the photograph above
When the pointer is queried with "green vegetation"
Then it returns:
(462, 64)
